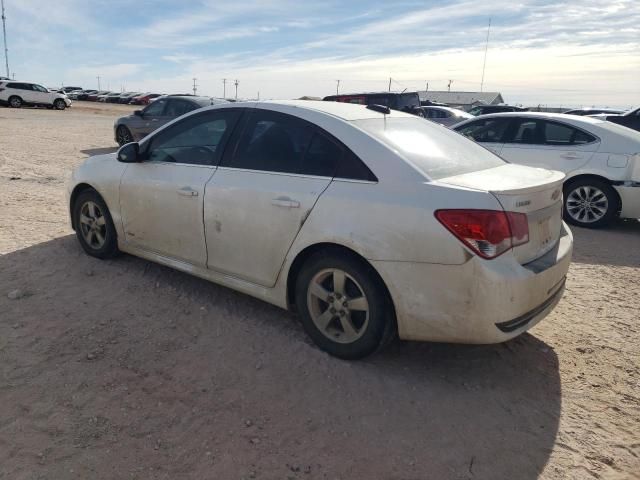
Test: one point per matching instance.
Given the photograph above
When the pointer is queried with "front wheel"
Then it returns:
(344, 306)
(123, 135)
(94, 226)
(590, 203)
(15, 102)
(59, 104)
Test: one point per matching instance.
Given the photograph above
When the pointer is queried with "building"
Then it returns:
(461, 100)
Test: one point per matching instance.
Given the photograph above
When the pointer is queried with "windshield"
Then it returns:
(435, 151)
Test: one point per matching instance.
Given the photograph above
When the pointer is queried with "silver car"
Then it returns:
(141, 123)
(444, 115)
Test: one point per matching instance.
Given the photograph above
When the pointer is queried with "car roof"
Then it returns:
(342, 110)
(544, 116)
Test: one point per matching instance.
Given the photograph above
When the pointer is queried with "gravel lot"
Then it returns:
(126, 369)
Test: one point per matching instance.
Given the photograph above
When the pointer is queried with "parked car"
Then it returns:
(601, 159)
(486, 109)
(84, 95)
(74, 94)
(444, 115)
(141, 123)
(17, 94)
(408, 102)
(111, 97)
(144, 99)
(371, 224)
(70, 89)
(126, 97)
(593, 111)
(629, 119)
(94, 97)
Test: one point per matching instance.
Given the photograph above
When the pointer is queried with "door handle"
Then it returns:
(188, 192)
(570, 155)
(285, 202)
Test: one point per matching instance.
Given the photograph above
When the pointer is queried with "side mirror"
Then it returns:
(129, 153)
(137, 112)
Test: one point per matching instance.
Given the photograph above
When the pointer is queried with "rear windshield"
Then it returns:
(434, 150)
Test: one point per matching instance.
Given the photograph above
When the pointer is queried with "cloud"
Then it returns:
(120, 70)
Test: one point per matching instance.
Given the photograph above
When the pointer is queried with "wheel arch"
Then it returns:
(328, 247)
(77, 190)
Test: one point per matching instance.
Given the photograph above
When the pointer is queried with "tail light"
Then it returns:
(489, 233)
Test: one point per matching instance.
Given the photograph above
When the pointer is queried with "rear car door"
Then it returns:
(489, 132)
(161, 198)
(270, 178)
(548, 144)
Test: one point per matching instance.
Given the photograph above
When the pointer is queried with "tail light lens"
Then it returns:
(489, 233)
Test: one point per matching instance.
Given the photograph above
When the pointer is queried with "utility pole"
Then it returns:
(236, 82)
(389, 83)
(484, 63)
(258, 95)
(98, 83)
(195, 86)
(427, 87)
(4, 34)
(449, 86)
(337, 86)
(224, 88)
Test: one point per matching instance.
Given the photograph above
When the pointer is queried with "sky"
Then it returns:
(556, 53)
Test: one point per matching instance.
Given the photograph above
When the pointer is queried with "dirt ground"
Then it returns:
(126, 369)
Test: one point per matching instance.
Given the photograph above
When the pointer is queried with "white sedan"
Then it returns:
(601, 159)
(369, 222)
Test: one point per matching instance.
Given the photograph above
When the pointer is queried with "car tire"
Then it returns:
(123, 135)
(344, 306)
(590, 203)
(15, 101)
(94, 226)
(59, 104)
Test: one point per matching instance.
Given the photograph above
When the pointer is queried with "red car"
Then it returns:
(144, 99)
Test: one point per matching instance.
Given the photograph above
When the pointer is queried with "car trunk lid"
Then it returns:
(535, 192)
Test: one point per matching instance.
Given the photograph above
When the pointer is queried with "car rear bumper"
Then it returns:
(630, 198)
(480, 301)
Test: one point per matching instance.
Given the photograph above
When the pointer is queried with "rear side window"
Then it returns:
(436, 152)
(559, 134)
(175, 108)
(489, 130)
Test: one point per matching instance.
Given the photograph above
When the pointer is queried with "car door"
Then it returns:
(161, 198)
(151, 118)
(42, 95)
(548, 144)
(489, 132)
(269, 180)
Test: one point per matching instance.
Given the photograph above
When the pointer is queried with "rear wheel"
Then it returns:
(123, 135)
(59, 104)
(590, 203)
(15, 102)
(344, 306)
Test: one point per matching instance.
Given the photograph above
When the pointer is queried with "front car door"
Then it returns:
(489, 132)
(161, 198)
(548, 144)
(271, 176)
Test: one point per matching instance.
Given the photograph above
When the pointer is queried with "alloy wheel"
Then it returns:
(92, 225)
(338, 305)
(124, 136)
(587, 204)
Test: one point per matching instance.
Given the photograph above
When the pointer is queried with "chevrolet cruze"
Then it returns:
(369, 222)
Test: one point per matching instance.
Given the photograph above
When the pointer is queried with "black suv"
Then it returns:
(630, 119)
(405, 102)
(486, 109)
(133, 128)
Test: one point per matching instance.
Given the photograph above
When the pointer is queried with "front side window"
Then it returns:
(40, 88)
(490, 130)
(196, 140)
(175, 108)
(527, 132)
(155, 109)
(273, 142)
